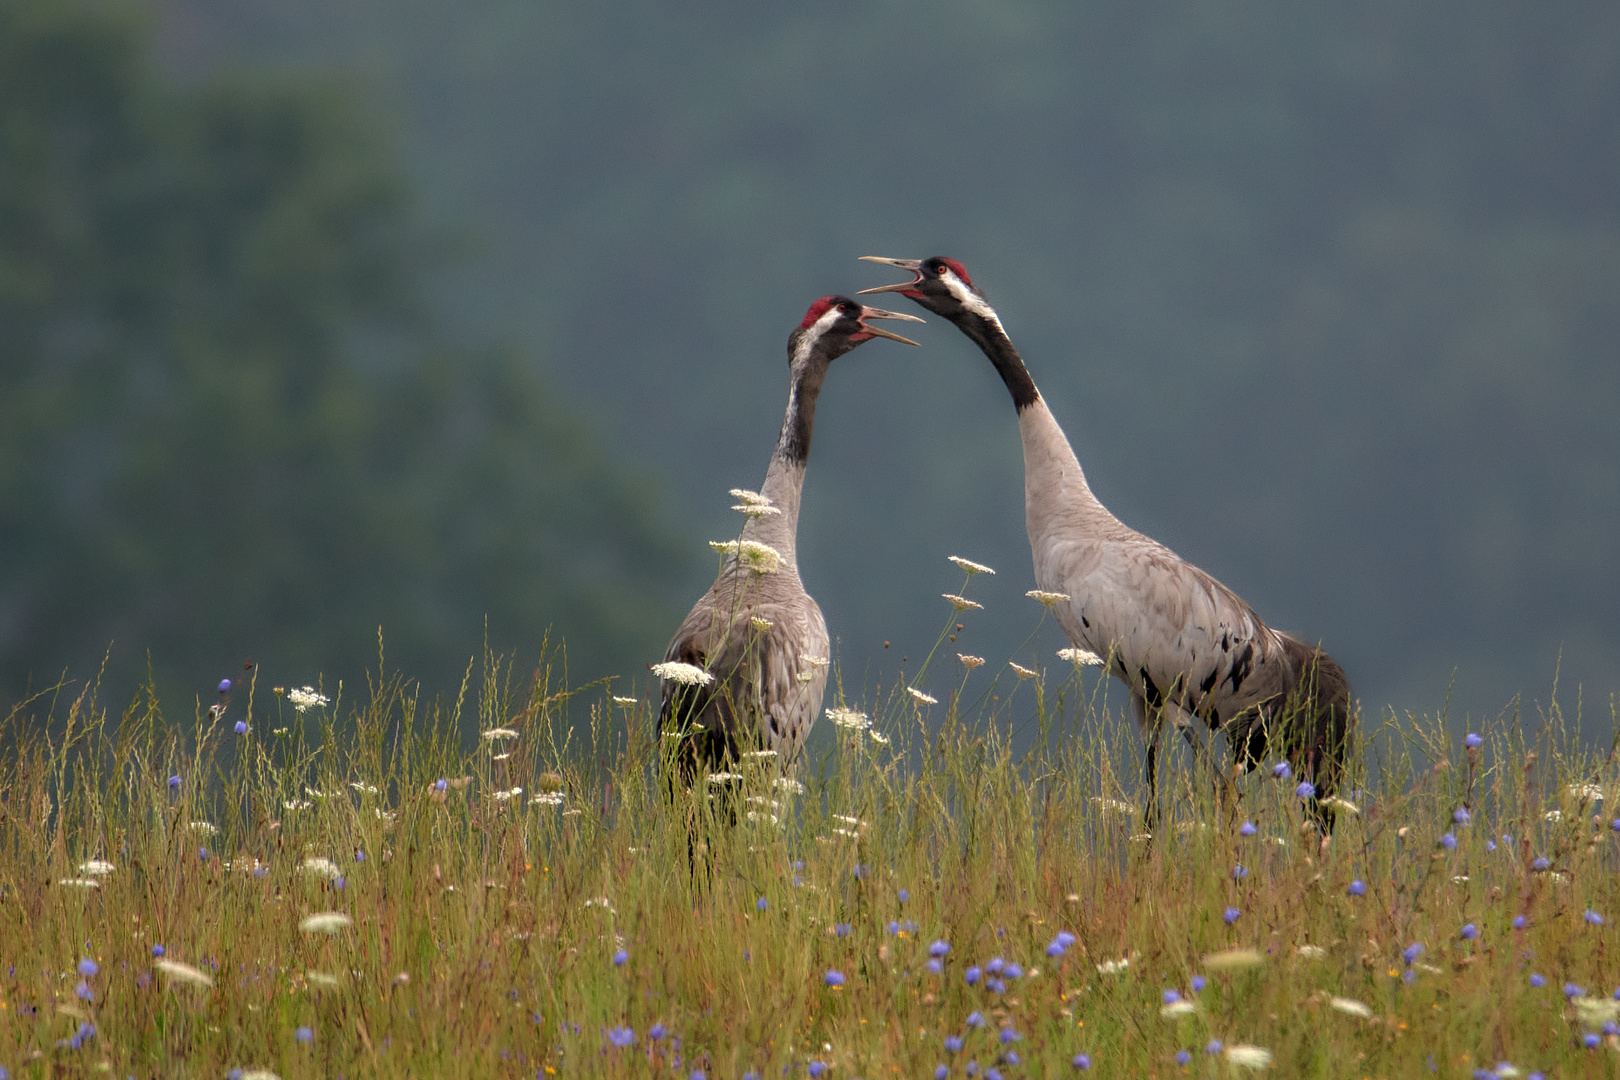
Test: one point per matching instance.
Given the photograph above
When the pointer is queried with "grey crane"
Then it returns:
(1184, 644)
(750, 659)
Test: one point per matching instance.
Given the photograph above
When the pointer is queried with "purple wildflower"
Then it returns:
(834, 977)
(1357, 888)
(1081, 1062)
(1230, 915)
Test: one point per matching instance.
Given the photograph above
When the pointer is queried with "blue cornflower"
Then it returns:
(975, 1019)
(1009, 1034)
(939, 948)
(158, 950)
(1448, 841)
(1306, 790)
(1591, 1040)
(1198, 984)
(1490, 845)
(750, 1075)
(1469, 931)
(816, 1069)
(1239, 872)
(1409, 976)
(1054, 950)
(202, 854)
(339, 882)
(241, 727)
(1615, 824)
(1230, 915)
(84, 992)
(972, 1068)
(1518, 922)
(621, 1037)
(1593, 917)
(762, 903)
(1473, 740)
(1572, 990)
(174, 783)
(992, 1073)
(1011, 1058)
(953, 1044)
(1507, 841)
(1461, 815)
(303, 1035)
(1213, 1047)
(359, 854)
(995, 965)
(1357, 888)
(893, 927)
(903, 895)
(1281, 770)
(1065, 939)
(1171, 996)
(440, 784)
(1012, 971)
(858, 872)
(224, 686)
(934, 966)
(1247, 829)
(842, 929)
(1537, 981)
(1081, 1062)
(88, 967)
(657, 1031)
(1183, 1058)
(697, 1074)
(972, 974)
(834, 977)
(995, 986)
(941, 1071)
(621, 957)
(1412, 952)
(1541, 863)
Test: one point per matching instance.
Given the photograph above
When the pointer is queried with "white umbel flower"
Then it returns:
(80, 883)
(1048, 598)
(503, 796)
(547, 798)
(877, 737)
(752, 498)
(499, 733)
(758, 557)
(1021, 671)
(962, 603)
(1233, 960)
(302, 697)
(317, 865)
(922, 697)
(755, 510)
(1114, 967)
(718, 778)
(325, 922)
(1080, 657)
(1249, 1057)
(970, 662)
(96, 868)
(760, 624)
(1350, 1007)
(175, 971)
(849, 718)
(1174, 1009)
(970, 566)
(688, 674)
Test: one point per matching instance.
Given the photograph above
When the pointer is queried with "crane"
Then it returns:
(1185, 645)
(747, 668)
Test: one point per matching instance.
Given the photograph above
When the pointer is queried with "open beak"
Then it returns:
(914, 265)
(879, 313)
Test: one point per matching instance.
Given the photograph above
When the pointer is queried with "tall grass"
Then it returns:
(505, 932)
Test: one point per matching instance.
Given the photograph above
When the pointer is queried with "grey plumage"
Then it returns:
(760, 636)
(1186, 645)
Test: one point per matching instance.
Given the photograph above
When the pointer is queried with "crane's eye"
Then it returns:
(843, 309)
(941, 269)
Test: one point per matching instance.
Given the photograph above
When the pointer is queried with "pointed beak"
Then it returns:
(879, 313)
(914, 265)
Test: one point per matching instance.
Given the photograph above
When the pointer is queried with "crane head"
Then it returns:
(941, 285)
(839, 323)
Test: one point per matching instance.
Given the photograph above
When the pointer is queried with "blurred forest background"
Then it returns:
(316, 316)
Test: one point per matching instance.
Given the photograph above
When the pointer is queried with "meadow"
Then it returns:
(314, 882)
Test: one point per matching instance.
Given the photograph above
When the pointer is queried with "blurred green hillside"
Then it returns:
(1324, 296)
(230, 427)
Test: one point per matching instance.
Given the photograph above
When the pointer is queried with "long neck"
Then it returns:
(1057, 500)
(784, 478)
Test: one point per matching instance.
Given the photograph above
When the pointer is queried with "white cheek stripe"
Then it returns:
(817, 329)
(970, 299)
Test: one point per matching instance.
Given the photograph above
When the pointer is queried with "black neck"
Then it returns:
(800, 421)
(989, 336)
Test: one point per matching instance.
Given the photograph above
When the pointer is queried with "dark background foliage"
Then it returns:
(1324, 297)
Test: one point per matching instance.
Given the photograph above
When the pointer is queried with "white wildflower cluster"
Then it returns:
(970, 566)
(962, 603)
(1080, 657)
(1586, 792)
(1233, 960)
(758, 557)
(363, 788)
(853, 719)
(175, 971)
(1021, 671)
(687, 674)
(789, 786)
(1350, 1007)
(752, 504)
(970, 662)
(922, 697)
(877, 737)
(504, 796)
(617, 700)
(759, 755)
(302, 697)
(1340, 803)
(1114, 967)
(760, 624)
(96, 868)
(1118, 806)
(499, 734)
(1171, 1010)
(207, 828)
(1049, 599)
(315, 864)
(1249, 1057)
(719, 778)
(80, 883)
(547, 798)
(325, 922)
